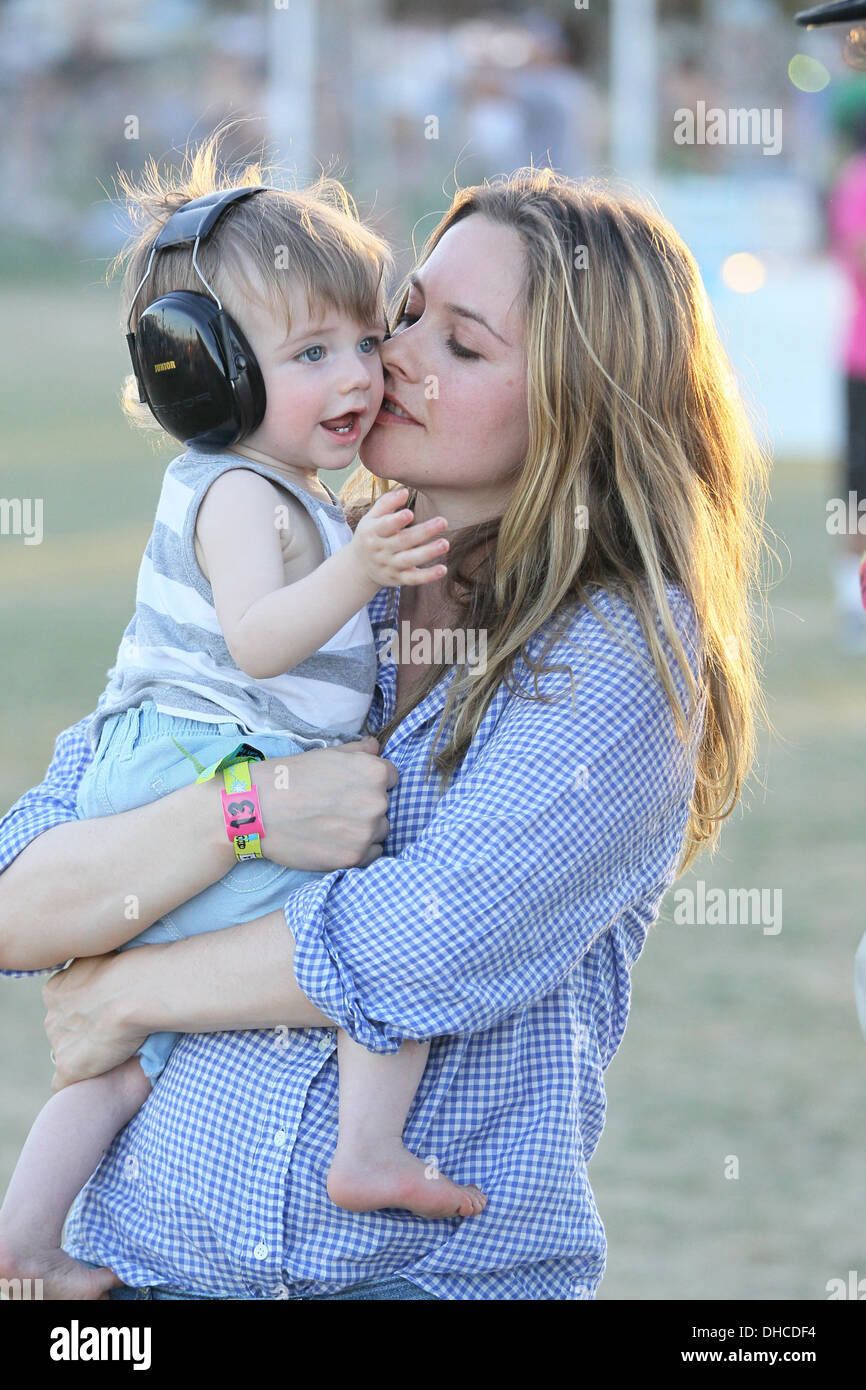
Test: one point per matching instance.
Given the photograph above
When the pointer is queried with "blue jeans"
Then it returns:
(137, 762)
(369, 1290)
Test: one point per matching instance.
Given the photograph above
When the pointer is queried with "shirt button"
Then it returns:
(261, 1251)
(280, 1138)
(325, 1044)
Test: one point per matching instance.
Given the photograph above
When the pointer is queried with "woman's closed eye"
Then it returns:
(459, 350)
(407, 318)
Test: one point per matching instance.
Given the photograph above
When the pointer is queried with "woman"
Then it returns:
(557, 390)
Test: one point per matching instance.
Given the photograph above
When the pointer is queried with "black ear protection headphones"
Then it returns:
(194, 367)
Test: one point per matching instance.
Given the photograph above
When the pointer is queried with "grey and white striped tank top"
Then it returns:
(174, 653)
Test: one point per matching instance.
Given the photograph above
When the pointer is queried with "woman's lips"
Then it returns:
(387, 417)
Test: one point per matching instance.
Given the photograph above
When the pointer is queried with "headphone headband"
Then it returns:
(192, 223)
(195, 220)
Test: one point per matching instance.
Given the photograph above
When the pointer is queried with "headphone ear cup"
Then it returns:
(180, 350)
(249, 385)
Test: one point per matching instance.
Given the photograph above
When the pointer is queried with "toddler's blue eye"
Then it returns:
(304, 356)
(374, 343)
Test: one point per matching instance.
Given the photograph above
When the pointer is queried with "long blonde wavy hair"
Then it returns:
(635, 415)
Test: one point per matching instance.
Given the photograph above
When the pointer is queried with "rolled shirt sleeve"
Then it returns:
(564, 818)
(49, 804)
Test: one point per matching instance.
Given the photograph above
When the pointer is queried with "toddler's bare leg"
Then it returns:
(371, 1166)
(69, 1136)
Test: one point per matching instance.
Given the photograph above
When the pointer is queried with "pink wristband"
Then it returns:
(242, 812)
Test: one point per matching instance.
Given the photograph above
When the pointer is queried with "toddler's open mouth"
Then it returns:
(345, 429)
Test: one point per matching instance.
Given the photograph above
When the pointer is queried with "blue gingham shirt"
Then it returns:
(502, 921)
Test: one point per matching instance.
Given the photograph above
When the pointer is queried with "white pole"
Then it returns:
(633, 83)
(291, 91)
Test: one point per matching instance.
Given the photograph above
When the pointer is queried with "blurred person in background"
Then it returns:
(847, 227)
(521, 93)
(848, 230)
(493, 119)
(564, 117)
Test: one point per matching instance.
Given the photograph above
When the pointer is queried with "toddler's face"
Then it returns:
(323, 381)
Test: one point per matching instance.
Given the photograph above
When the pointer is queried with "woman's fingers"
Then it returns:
(368, 744)
(60, 1079)
(374, 852)
(329, 807)
(63, 1076)
(81, 1018)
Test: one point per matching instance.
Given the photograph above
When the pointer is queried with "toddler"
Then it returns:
(250, 638)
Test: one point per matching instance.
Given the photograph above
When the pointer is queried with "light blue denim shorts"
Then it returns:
(137, 762)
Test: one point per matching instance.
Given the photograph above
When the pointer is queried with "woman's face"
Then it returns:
(456, 365)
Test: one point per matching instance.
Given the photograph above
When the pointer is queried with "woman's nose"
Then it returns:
(399, 357)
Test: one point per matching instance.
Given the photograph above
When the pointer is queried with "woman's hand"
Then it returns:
(101, 1009)
(86, 1020)
(325, 809)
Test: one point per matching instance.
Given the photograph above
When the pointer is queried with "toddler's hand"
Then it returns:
(391, 551)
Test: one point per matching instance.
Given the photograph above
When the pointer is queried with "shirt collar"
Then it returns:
(383, 610)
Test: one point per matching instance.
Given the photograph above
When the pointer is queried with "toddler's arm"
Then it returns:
(270, 626)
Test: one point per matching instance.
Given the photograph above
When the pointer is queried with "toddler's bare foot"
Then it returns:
(383, 1173)
(61, 1276)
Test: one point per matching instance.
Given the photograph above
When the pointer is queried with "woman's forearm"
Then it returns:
(242, 977)
(99, 1011)
(87, 886)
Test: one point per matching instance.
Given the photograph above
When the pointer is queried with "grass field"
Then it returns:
(742, 1045)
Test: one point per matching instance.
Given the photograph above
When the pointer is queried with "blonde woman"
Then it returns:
(555, 388)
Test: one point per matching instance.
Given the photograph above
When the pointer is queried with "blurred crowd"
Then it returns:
(399, 104)
(404, 97)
